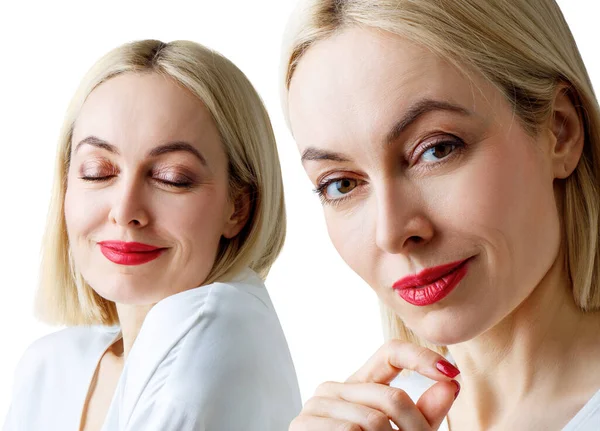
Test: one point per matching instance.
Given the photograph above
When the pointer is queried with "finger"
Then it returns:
(314, 423)
(367, 418)
(435, 403)
(394, 403)
(395, 355)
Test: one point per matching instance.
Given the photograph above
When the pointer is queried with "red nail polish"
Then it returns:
(447, 369)
(457, 388)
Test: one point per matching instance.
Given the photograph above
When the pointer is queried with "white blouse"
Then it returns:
(587, 419)
(212, 358)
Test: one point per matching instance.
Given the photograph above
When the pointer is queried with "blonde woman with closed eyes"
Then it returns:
(166, 216)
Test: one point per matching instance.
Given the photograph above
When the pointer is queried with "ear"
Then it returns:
(566, 127)
(239, 214)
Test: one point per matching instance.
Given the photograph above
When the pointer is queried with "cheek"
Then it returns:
(197, 218)
(351, 233)
(504, 202)
(82, 212)
(515, 195)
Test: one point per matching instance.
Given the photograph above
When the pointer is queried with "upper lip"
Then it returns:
(129, 247)
(427, 276)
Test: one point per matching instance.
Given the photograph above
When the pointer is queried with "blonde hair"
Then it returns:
(525, 49)
(245, 129)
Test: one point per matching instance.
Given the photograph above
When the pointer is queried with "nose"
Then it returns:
(401, 223)
(129, 208)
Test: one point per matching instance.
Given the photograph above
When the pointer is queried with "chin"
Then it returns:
(126, 292)
(444, 339)
(447, 329)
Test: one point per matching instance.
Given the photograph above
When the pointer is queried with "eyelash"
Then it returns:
(457, 143)
(181, 185)
(321, 191)
(454, 141)
(184, 185)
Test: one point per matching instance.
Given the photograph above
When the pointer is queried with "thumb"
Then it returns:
(435, 403)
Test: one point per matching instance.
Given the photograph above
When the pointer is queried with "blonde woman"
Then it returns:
(456, 148)
(166, 215)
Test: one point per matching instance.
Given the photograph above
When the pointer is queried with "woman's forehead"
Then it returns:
(365, 79)
(143, 108)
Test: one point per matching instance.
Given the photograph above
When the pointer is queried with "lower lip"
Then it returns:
(436, 291)
(136, 258)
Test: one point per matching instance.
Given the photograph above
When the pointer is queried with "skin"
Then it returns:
(119, 190)
(456, 182)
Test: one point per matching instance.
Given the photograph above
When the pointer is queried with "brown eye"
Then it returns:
(338, 188)
(442, 151)
(438, 151)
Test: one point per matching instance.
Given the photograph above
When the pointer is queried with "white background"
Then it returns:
(329, 315)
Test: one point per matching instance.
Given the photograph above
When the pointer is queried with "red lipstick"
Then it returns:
(432, 284)
(129, 253)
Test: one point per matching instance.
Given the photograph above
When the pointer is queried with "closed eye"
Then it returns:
(91, 178)
(184, 184)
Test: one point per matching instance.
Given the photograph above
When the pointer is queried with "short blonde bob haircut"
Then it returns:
(526, 50)
(245, 129)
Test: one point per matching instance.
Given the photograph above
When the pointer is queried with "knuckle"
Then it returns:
(376, 420)
(368, 375)
(422, 353)
(397, 397)
(324, 388)
(312, 404)
(397, 402)
(394, 345)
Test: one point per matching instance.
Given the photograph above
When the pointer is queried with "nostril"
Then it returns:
(415, 239)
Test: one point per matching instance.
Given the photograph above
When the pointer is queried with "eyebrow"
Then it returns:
(416, 111)
(98, 143)
(317, 154)
(173, 147)
(170, 147)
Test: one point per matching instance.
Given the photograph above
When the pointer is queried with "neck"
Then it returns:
(530, 353)
(131, 318)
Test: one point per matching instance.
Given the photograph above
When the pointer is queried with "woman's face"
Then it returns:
(147, 166)
(419, 167)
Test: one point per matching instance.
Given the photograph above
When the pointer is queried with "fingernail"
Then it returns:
(457, 388)
(447, 369)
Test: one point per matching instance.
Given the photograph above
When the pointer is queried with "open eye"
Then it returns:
(438, 151)
(341, 187)
(336, 189)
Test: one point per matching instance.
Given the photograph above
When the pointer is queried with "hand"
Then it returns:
(366, 402)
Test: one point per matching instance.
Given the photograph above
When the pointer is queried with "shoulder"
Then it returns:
(207, 352)
(237, 318)
(217, 314)
(242, 298)
(236, 352)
